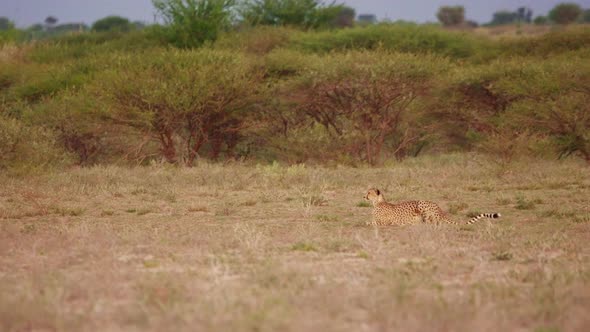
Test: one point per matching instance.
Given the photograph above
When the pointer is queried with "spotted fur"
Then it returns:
(411, 212)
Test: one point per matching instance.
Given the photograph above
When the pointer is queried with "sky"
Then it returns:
(28, 12)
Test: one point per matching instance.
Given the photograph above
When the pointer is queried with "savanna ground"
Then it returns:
(265, 248)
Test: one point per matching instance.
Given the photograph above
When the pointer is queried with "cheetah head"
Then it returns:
(374, 195)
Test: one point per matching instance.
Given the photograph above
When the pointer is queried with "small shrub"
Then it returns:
(523, 204)
(363, 254)
(326, 218)
(363, 204)
(198, 209)
(144, 211)
(25, 149)
(502, 256)
(303, 246)
(565, 13)
(579, 219)
(457, 207)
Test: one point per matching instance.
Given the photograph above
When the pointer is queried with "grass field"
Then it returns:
(269, 248)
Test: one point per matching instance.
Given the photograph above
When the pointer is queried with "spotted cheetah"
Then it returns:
(411, 212)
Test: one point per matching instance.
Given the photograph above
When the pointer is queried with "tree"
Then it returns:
(524, 14)
(451, 15)
(184, 100)
(50, 21)
(541, 20)
(366, 102)
(586, 16)
(367, 19)
(6, 24)
(301, 13)
(565, 13)
(190, 23)
(504, 17)
(112, 23)
(345, 17)
(338, 16)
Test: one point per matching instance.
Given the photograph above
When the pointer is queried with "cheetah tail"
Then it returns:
(482, 215)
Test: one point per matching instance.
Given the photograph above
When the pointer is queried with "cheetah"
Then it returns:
(411, 212)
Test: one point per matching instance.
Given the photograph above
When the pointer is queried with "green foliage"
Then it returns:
(297, 13)
(287, 63)
(339, 16)
(190, 23)
(6, 24)
(504, 17)
(25, 149)
(11, 36)
(41, 82)
(585, 17)
(76, 120)
(350, 96)
(541, 20)
(396, 37)
(565, 13)
(112, 23)
(185, 99)
(547, 96)
(522, 14)
(451, 15)
(571, 40)
(257, 40)
(366, 100)
(64, 49)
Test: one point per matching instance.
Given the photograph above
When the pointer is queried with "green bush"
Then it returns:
(190, 23)
(404, 38)
(11, 36)
(552, 43)
(548, 97)
(92, 44)
(369, 101)
(78, 120)
(25, 149)
(284, 63)
(112, 23)
(185, 99)
(46, 81)
(257, 40)
(565, 13)
(296, 13)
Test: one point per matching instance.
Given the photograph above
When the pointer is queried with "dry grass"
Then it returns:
(285, 248)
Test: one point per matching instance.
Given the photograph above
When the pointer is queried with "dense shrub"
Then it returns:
(451, 15)
(405, 38)
(565, 13)
(112, 23)
(184, 99)
(552, 43)
(77, 120)
(360, 95)
(190, 23)
(296, 13)
(368, 101)
(38, 82)
(257, 40)
(24, 149)
(86, 45)
(522, 96)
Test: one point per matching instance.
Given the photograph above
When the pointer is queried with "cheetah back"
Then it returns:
(410, 212)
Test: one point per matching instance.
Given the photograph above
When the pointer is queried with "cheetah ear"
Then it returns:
(378, 192)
